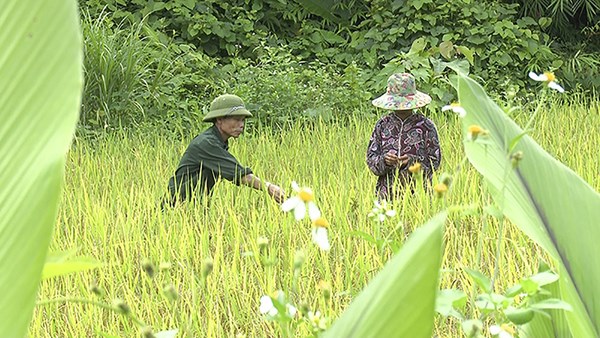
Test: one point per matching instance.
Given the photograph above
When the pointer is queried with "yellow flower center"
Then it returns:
(475, 130)
(321, 222)
(306, 195)
(440, 188)
(550, 76)
(324, 285)
(415, 167)
(507, 328)
(454, 104)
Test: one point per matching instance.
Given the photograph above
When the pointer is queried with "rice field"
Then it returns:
(110, 212)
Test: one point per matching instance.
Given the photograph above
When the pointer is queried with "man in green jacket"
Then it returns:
(207, 158)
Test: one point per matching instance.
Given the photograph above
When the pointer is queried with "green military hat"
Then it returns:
(224, 106)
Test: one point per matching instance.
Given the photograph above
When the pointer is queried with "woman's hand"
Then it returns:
(394, 161)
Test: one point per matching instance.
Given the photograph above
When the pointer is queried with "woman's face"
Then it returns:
(231, 126)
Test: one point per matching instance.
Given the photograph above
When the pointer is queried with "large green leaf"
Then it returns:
(400, 300)
(544, 198)
(40, 93)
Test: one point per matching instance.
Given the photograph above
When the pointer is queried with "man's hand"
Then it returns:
(394, 161)
(276, 192)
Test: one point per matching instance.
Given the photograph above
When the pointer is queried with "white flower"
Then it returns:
(496, 330)
(319, 236)
(382, 211)
(549, 78)
(457, 108)
(304, 199)
(266, 306)
(291, 309)
(319, 233)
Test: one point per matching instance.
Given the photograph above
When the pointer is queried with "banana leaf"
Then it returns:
(544, 198)
(40, 94)
(400, 300)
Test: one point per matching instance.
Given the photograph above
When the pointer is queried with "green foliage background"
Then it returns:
(166, 60)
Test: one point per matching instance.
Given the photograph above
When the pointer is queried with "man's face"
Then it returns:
(231, 126)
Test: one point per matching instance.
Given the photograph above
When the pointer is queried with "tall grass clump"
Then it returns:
(134, 77)
(119, 71)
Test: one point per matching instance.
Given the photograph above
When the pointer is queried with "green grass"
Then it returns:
(109, 212)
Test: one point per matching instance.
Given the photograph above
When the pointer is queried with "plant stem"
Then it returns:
(105, 306)
(536, 111)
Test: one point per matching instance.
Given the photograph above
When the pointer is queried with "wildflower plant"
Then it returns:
(382, 210)
(278, 307)
(508, 311)
(319, 233)
(518, 173)
(549, 79)
(117, 305)
(456, 108)
(303, 200)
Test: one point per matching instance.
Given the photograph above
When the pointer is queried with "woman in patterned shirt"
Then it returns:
(402, 138)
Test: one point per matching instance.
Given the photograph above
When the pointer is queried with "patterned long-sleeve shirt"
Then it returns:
(415, 136)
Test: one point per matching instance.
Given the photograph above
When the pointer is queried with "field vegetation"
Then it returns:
(109, 211)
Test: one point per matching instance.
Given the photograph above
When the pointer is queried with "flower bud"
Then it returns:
(121, 306)
(262, 242)
(515, 158)
(207, 267)
(325, 288)
(474, 131)
(440, 189)
(304, 308)
(148, 267)
(147, 332)
(170, 292)
(299, 258)
(415, 168)
(96, 290)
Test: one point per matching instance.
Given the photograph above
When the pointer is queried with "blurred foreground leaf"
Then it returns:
(545, 199)
(40, 94)
(400, 300)
(64, 263)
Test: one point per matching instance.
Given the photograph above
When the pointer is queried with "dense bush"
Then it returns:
(369, 33)
(282, 88)
(134, 80)
(165, 61)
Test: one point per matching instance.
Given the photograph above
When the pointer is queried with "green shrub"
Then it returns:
(282, 88)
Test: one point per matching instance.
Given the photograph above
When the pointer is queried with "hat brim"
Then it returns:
(396, 102)
(225, 112)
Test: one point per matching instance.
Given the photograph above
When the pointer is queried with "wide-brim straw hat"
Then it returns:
(224, 106)
(402, 94)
